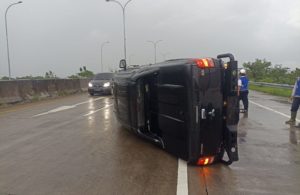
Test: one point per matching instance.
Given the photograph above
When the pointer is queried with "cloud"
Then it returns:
(62, 35)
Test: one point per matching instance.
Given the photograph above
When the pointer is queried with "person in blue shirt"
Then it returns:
(295, 97)
(243, 89)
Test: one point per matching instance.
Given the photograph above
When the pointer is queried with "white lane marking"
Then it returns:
(94, 111)
(270, 109)
(182, 180)
(62, 108)
(58, 109)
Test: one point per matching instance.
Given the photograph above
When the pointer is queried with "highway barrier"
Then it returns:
(15, 91)
(276, 85)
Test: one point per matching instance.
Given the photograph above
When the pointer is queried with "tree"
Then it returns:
(73, 77)
(50, 75)
(278, 74)
(5, 78)
(86, 74)
(83, 73)
(293, 75)
(257, 69)
(263, 71)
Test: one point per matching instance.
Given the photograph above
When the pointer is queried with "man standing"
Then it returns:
(296, 102)
(243, 89)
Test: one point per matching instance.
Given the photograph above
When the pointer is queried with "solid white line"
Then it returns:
(62, 108)
(58, 109)
(270, 109)
(182, 180)
(94, 111)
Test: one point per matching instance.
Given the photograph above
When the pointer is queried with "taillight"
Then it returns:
(205, 63)
(206, 160)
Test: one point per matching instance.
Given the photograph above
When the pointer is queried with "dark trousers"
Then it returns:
(244, 97)
(295, 104)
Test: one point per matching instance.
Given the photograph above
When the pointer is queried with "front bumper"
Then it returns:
(93, 90)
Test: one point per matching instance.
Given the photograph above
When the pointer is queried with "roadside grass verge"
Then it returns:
(272, 90)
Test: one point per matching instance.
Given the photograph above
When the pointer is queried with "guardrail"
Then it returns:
(276, 85)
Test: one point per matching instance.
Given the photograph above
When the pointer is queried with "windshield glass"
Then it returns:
(103, 76)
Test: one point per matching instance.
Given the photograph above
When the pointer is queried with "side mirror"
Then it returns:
(123, 64)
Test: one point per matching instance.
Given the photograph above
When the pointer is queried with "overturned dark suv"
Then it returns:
(189, 107)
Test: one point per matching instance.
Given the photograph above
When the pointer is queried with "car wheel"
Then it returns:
(91, 94)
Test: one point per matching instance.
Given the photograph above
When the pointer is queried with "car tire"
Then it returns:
(91, 94)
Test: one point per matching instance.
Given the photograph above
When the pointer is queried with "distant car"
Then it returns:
(101, 84)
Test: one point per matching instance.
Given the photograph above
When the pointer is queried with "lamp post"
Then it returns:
(124, 27)
(8, 57)
(102, 45)
(155, 45)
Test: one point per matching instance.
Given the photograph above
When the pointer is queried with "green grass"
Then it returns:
(272, 90)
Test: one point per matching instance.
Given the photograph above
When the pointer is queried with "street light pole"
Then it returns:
(102, 45)
(124, 26)
(8, 57)
(155, 45)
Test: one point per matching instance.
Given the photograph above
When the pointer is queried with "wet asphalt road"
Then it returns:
(74, 145)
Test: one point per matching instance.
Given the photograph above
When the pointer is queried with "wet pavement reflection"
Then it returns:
(80, 150)
(83, 150)
(269, 154)
(295, 135)
(242, 133)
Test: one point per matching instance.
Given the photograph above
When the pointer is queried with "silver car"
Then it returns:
(101, 84)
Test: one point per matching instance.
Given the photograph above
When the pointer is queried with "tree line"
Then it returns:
(258, 71)
(264, 71)
(83, 73)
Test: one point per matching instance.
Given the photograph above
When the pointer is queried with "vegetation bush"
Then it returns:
(264, 71)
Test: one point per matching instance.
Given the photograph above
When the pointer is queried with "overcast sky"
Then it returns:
(63, 35)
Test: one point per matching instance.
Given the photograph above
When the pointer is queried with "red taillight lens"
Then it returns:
(205, 63)
(206, 160)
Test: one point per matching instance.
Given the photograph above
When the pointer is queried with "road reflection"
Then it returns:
(211, 178)
(91, 104)
(242, 132)
(106, 114)
(104, 121)
(295, 135)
